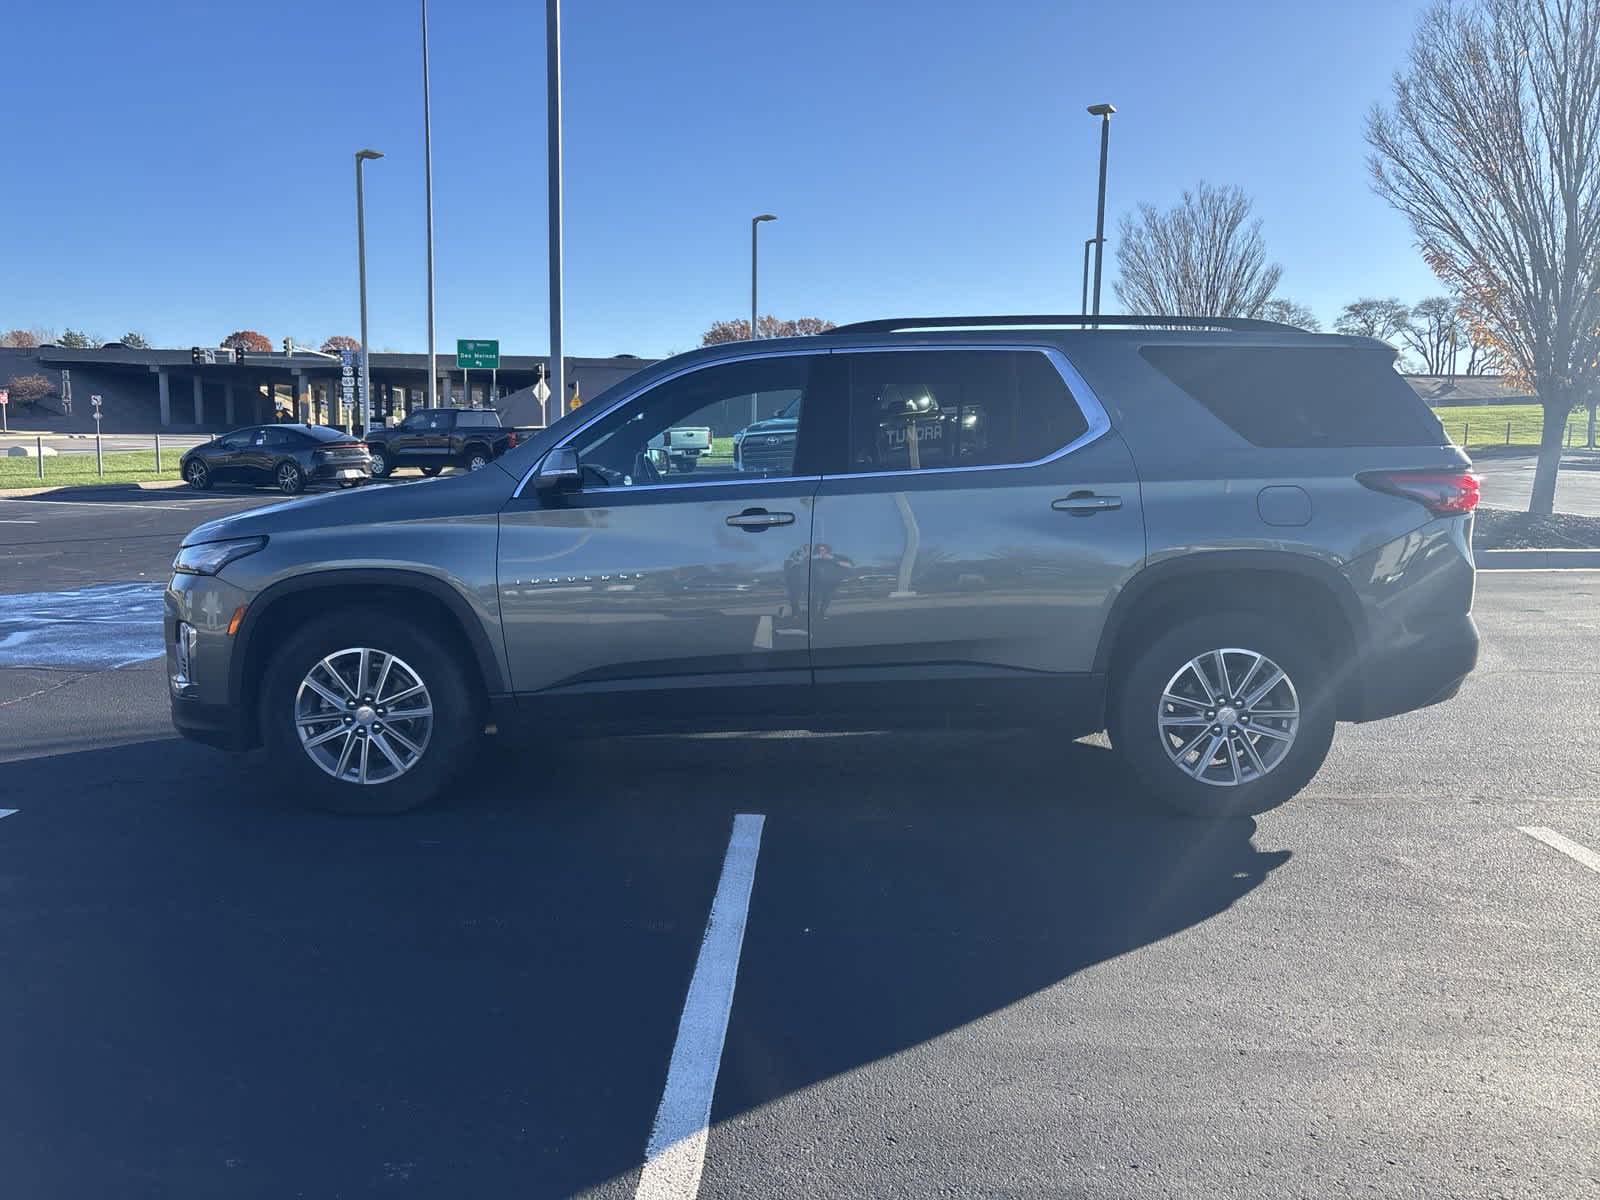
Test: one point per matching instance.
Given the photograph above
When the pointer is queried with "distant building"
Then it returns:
(1440, 390)
(147, 390)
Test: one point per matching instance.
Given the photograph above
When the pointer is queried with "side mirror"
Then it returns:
(559, 471)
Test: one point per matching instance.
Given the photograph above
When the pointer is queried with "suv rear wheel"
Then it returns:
(1224, 715)
(369, 713)
(477, 458)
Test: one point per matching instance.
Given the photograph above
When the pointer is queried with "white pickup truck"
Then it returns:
(679, 448)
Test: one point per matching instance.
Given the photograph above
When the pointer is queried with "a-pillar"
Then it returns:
(227, 403)
(163, 385)
(199, 401)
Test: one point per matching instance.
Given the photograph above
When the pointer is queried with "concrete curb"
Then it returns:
(1537, 560)
(155, 485)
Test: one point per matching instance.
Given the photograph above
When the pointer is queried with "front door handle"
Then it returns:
(1086, 504)
(755, 520)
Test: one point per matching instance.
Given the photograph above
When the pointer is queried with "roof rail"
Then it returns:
(1237, 324)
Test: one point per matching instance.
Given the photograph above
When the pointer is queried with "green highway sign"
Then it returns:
(478, 354)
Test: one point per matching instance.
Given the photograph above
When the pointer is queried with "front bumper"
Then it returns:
(198, 681)
(211, 724)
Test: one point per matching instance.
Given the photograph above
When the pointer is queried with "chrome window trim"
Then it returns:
(1078, 389)
(630, 397)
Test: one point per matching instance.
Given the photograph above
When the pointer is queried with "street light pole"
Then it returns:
(1084, 305)
(361, 266)
(754, 223)
(427, 188)
(1103, 111)
(552, 52)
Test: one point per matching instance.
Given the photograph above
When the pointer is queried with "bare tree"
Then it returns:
(1288, 312)
(21, 338)
(1492, 151)
(1204, 257)
(738, 330)
(1434, 334)
(1373, 318)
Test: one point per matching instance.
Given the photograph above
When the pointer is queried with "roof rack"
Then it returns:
(1237, 324)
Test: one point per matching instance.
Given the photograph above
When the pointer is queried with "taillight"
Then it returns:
(1443, 493)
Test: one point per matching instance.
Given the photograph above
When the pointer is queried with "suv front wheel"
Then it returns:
(368, 713)
(1224, 715)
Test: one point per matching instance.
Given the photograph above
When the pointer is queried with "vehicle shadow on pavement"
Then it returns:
(227, 994)
(910, 885)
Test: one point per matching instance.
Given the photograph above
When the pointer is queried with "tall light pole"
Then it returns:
(427, 188)
(361, 266)
(552, 106)
(1084, 303)
(1103, 111)
(754, 224)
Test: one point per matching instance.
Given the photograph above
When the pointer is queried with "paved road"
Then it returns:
(973, 964)
(1508, 483)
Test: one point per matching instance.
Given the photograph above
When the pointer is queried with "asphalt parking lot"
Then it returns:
(966, 964)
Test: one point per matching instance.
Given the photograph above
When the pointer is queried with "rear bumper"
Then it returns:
(1426, 671)
(337, 472)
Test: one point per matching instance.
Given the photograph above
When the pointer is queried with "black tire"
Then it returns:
(430, 472)
(197, 475)
(1136, 702)
(380, 463)
(291, 480)
(457, 713)
(477, 458)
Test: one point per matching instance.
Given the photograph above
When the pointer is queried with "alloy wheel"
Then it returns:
(196, 474)
(1228, 717)
(364, 716)
(288, 478)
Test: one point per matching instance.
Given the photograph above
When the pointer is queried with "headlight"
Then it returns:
(210, 557)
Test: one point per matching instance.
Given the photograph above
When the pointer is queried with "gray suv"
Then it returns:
(1213, 539)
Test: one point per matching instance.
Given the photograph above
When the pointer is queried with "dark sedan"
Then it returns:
(286, 456)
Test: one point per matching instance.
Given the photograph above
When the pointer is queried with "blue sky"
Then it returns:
(185, 168)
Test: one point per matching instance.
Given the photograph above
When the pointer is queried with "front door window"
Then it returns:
(703, 427)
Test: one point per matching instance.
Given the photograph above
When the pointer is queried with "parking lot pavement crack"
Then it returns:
(67, 682)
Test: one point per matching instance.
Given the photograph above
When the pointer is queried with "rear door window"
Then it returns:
(926, 409)
(1302, 396)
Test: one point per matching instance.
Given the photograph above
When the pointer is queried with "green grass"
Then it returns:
(121, 466)
(1485, 425)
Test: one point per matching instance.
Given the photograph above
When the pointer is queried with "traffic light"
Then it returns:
(288, 345)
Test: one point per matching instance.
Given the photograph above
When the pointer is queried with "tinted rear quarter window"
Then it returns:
(921, 410)
(1302, 396)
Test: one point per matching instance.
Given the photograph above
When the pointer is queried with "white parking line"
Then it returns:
(185, 507)
(676, 1153)
(1557, 841)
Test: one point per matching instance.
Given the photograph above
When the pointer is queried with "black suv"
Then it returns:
(436, 438)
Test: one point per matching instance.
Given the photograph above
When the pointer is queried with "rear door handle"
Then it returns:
(1086, 504)
(756, 519)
